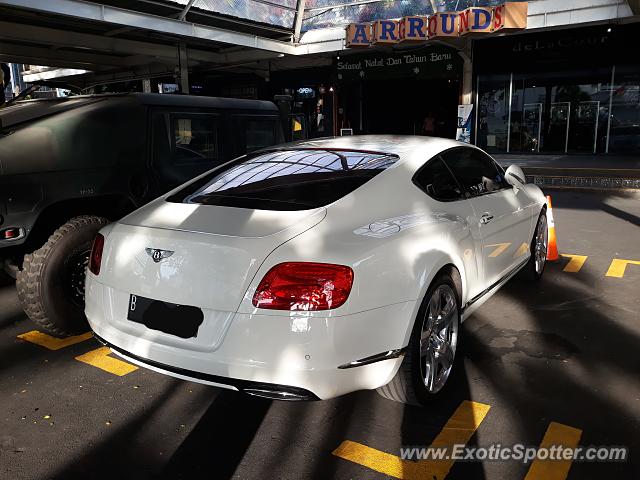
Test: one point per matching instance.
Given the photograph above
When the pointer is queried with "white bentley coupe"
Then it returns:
(315, 269)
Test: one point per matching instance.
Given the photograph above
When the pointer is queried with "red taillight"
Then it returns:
(304, 286)
(96, 255)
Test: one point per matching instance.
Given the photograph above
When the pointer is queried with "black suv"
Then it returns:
(70, 165)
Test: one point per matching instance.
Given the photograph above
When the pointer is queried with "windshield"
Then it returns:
(297, 179)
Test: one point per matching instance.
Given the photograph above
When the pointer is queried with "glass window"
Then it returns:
(437, 181)
(260, 133)
(493, 112)
(475, 171)
(528, 107)
(625, 113)
(287, 179)
(253, 132)
(278, 13)
(195, 139)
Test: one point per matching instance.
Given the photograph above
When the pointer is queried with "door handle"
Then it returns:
(486, 218)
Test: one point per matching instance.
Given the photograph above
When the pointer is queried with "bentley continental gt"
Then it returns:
(314, 269)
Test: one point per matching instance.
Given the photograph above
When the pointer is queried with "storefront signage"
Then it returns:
(435, 61)
(475, 20)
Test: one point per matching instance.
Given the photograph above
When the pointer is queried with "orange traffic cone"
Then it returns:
(552, 247)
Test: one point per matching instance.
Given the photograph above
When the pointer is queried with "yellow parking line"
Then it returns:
(458, 430)
(100, 358)
(576, 262)
(556, 434)
(618, 267)
(53, 343)
(522, 250)
(499, 250)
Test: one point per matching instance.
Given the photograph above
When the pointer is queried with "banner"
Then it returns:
(435, 61)
(472, 21)
(463, 134)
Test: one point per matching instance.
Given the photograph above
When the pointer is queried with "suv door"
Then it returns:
(503, 223)
(184, 145)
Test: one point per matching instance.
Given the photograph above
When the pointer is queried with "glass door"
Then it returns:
(557, 138)
(532, 127)
(584, 127)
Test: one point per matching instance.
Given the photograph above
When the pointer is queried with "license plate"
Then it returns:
(179, 320)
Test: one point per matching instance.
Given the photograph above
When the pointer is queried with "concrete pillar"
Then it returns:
(466, 94)
(184, 68)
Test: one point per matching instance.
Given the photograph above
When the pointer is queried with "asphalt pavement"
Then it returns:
(553, 360)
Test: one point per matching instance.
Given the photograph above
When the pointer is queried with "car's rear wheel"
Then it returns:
(534, 269)
(51, 283)
(431, 354)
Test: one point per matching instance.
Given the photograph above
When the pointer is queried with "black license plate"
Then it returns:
(179, 320)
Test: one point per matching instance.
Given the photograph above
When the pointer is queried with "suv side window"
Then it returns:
(195, 138)
(477, 173)
(254, 132)
(436, 180)
(184, 145)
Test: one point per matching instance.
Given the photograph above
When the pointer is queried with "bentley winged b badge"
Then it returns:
(158, 255)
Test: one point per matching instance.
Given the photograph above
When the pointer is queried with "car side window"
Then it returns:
(255, 132)
(436, 180)
(194, 139)
(477, 173)
(184, 146)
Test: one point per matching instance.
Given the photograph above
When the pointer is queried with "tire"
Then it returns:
(533, 271)
(5, 278)
(408, 386)
(51, 283)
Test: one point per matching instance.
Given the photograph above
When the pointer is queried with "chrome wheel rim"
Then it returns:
(76, 270)
(540, 252)
(439, 338)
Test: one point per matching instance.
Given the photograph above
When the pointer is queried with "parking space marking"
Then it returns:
(522, 250)
(458, 430)
(53, 343)
(576, 262)
(556, 434)
(618, 267)
(100, 358)
(499, 249)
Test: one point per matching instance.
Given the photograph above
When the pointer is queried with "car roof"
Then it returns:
(27, 110)
(413, 149)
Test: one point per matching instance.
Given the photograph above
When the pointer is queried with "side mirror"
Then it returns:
(515, 176)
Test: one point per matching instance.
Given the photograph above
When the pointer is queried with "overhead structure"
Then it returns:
(128, 39)
(114, 40)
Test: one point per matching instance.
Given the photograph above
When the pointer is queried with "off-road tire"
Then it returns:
(41, 290)
(406, 386)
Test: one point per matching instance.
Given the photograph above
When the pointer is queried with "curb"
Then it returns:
(584, 178)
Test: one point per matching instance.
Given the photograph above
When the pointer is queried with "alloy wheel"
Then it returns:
(439, 338)
(540, 248)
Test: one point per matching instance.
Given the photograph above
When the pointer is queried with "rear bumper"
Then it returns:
(268, 390)
(285, 357)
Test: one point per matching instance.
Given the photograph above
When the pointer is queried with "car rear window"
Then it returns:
(297, 179)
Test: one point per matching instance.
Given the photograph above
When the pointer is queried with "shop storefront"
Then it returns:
(313, 100)
(412, 91)
(574, 91)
